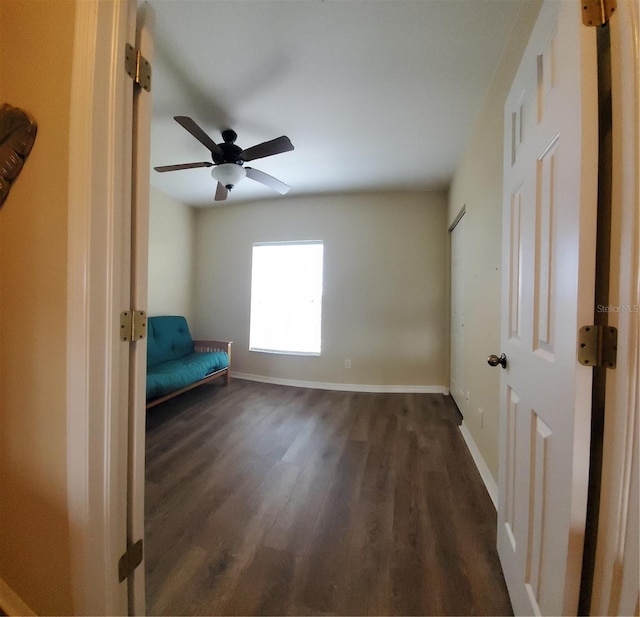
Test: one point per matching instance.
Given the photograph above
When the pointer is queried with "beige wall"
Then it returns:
(36, 42)
(171, 249)
(478, 185)
(385, 279)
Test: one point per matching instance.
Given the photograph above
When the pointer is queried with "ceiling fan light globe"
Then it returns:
(228, 174)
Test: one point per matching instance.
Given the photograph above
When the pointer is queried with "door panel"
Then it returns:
(548, 282)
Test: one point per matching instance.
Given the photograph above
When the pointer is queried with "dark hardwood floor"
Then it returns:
(271, 500)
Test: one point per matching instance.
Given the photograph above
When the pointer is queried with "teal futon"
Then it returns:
(176, 363)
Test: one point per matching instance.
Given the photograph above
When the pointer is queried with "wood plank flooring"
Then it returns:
(272, 500)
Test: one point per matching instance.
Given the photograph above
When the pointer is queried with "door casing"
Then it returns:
(97, 291)
(98, 189)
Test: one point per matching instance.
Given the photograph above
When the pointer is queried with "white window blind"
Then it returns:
(286, 297)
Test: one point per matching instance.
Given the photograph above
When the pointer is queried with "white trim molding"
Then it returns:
(343, 387)
(486, 475)
(11, 603)
(99, 186)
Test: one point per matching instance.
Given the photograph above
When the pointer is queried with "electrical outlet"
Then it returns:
(347, 364)
(481, 414)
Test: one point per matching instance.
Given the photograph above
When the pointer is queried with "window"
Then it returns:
(286, 297)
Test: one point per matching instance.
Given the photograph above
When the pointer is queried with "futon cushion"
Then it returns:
(168, 338)
(169, 376)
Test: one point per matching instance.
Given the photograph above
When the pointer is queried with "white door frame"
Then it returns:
(615, 589)
(99, 199)
(456, 389)
(99, 190)
(142, 109)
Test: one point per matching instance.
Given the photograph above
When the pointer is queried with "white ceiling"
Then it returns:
(374, 94)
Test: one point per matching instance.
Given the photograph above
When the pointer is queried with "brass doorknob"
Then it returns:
(494, 360)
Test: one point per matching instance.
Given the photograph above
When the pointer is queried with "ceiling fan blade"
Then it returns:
(193, 128)
(267, 180)
(221, 193)
(267, 148)
(182, 166)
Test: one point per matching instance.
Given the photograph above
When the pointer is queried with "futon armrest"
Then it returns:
(214, 346)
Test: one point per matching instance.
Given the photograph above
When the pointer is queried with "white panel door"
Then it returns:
(457, 382)
(549, 217)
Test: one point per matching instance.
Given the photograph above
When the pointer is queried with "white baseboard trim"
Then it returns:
(11, 603)
(485, 474)
(342, 387)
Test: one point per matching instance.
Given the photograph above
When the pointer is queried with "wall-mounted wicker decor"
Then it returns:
(17, 134)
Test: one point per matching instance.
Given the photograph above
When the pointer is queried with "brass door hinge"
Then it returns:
(133, 325)
(598, 346)
(130, 560)
(597, 12)
(138, 67)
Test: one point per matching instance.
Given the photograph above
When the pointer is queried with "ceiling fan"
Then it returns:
(228, 159)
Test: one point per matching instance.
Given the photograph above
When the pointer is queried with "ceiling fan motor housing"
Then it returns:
(230, 152)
